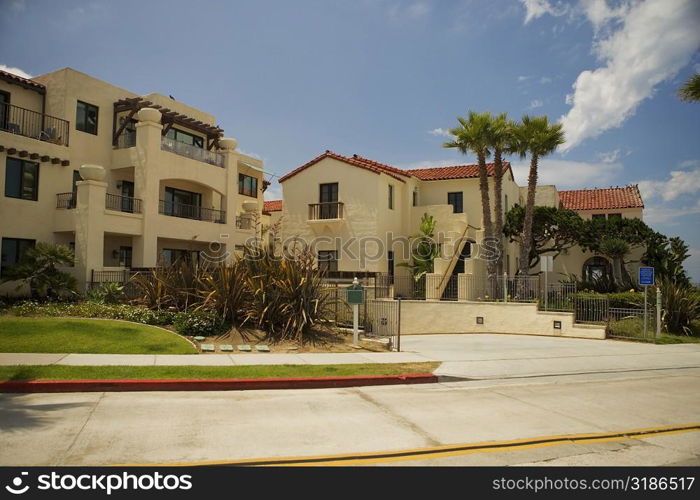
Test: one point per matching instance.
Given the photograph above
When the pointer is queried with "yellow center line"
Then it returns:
(369, 458)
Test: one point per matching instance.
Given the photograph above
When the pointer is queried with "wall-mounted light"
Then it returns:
(119, 184)
(557, 325)
(115, 254)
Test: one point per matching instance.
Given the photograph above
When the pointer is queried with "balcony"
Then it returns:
(191, 212)
(65, 200)
(123, 204)
(192, 152)
(28, 123)
(326, 211)
(125, 140)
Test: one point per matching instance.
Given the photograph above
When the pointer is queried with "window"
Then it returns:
(328, 260)
(455, 199)
(505, 206)
(21, 179)
(180, 203)
(596, 268)
(12, 251)
(86, 118)
(173, 255)
(390, 263)
(247, 185)
(125, 256)
(185, 137)
(415, 197)
(614, 216)
(4, 109)
(391, 196)
(598, 216)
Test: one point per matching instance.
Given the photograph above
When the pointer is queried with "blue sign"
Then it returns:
(646, 275)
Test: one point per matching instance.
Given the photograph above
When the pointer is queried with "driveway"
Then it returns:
(488, 356)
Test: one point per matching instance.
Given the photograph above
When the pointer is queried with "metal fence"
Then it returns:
(379, 316)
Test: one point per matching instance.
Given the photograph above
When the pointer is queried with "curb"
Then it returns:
(213, 385)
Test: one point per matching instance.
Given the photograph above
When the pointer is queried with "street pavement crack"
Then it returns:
(82, 427)
(430, 439)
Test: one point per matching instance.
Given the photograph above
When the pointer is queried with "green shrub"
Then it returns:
(205, 323)
(89, 309)
(106, 293)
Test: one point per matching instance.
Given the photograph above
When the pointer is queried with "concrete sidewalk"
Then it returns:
(210, 359)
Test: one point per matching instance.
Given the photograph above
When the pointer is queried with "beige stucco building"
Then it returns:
(127, 180)
(358, 215)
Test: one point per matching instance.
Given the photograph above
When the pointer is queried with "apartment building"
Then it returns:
(357, 214)
(127, 180)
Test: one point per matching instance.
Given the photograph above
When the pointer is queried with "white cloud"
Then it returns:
(567, 174)
(643, 44)
(538, 8)
(273, 191)
(689, 164)
(414, 10)
(609, 156)
(17, 5)
(658, 213)
(679, 183)
(15, 71)
(434, 163)
(545, 79)
(535, 103)
(440, 132)
(522, 78)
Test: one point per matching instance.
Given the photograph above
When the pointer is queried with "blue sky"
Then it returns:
(386, 78)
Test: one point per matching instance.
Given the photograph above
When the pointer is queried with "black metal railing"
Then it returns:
(126, 140)
(192, 212)
(65, 200)
(28, 123)
(123, 203)
(329, 210)
(193, 152)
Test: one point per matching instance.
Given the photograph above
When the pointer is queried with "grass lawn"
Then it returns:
(87, 336)
(61, 372)
(634, 328)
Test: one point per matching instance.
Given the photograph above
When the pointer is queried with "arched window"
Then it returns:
(596, 268)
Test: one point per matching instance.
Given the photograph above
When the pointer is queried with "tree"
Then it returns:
(616, 239)
(424, 248)
(666, 256)
(554, 231)
(473, 135)
(536, 136)
(500, 141)
(38, 268)
(690, 91)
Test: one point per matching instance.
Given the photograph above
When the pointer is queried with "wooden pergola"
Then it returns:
(169, 118)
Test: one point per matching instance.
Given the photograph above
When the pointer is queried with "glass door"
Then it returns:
(127, 196)
(328, 198)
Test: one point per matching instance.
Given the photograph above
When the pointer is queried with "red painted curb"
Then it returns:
(240, 384)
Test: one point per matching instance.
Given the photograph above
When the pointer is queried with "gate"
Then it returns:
(380, 316)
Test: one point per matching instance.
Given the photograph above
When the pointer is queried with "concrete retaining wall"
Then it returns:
(423, 317)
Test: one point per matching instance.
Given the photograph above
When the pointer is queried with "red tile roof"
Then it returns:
(272, 206)
(602, 199)
(26, 82)
(426, 174)
(358, 161)
(453, 172)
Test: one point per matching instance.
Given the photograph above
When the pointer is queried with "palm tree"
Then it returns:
(534, 135)
(501, 141)
(690, 91)
(473, 135)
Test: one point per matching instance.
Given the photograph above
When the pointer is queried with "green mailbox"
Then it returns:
(356, 294)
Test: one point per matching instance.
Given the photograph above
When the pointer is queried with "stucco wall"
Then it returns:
(428, 317)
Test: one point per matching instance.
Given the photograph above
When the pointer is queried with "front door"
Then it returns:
(127, 196)
(182, 203)
(125, 257)
(328, 198)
